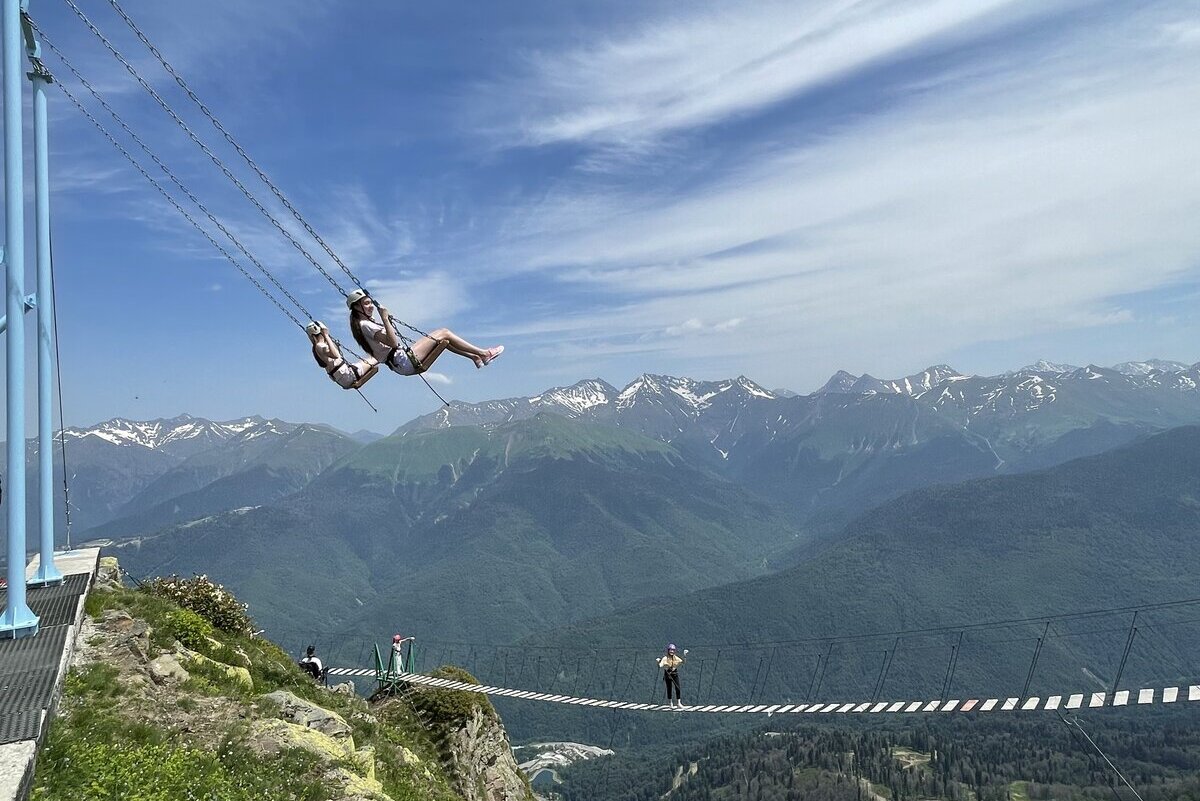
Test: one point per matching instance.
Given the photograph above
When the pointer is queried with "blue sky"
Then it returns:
(708, 189)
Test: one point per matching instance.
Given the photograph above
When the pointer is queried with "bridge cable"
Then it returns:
(1072, 723)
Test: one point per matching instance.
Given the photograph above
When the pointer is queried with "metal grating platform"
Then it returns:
(20, 726)
(54, 610)
(72, 586)
(33, 653)
(29, 666)
(26, 692)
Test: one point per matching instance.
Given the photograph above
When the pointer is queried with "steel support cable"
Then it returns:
(220, 248)
(232, 141)
(158, 98)
(1073, 723)
(129, 157)
(62, 426)
(216, 160)
(183, 188)
(954, 628)
(396, 322)
(171, 175)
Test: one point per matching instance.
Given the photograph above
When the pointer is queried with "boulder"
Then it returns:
(108, 575)
(364, 759)
(353, 786)
(116, 621)
(239, 658)
(274, 736)
(236, 673)
(296, 710)
(166, 668)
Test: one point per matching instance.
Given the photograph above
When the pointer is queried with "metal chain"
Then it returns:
(100, 127)
(199, 143)
(166, 170)
(129, 157)
(229, 138)
(217, 161)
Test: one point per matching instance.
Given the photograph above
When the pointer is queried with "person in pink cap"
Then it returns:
(398, 652)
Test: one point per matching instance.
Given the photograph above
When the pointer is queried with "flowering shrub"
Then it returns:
(190, 629)
(207, 599)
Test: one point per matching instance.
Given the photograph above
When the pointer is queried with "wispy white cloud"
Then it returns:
(707, 62)
(438, 378)
(1027, 194)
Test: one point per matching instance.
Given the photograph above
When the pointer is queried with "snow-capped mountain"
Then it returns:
(915, 384)
(124, 467)
(180, 435)
(925, 380)
(666, 400)
(1043, 366)
(841, 381)
(1150, 366)
(590, 396)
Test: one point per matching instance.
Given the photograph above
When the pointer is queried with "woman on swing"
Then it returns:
(382, 342)
(347, 375)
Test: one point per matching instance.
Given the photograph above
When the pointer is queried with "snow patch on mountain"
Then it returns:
(1043, 366)
(1150, 366)
(156, 434)
(577, 398)
(695, 395)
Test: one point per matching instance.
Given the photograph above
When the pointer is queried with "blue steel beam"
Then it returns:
(30, 302)
(18, 619)
(47, 573)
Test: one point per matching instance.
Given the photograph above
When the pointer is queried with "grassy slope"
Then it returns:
(119, 736)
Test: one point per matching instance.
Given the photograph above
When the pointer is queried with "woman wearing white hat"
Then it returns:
(381, 341)
(670, 662)
(347, 375)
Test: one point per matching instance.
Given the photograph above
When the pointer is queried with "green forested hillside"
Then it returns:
(1117, 529)
(957, 759)
(482, 535)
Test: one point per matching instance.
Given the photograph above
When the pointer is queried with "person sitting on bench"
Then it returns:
(311, 663)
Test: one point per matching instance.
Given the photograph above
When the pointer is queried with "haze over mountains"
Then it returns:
(515, 516)
(508, 519)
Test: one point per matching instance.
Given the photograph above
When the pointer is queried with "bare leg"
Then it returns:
(456, 344)
(427, 349)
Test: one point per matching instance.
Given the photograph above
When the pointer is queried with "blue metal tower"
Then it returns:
(18, 620)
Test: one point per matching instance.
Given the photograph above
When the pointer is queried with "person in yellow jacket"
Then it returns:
(670, 663)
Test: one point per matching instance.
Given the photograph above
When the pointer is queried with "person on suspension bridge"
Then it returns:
(347, 375)
(398, 653)
(670, 662)
(382, 341)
